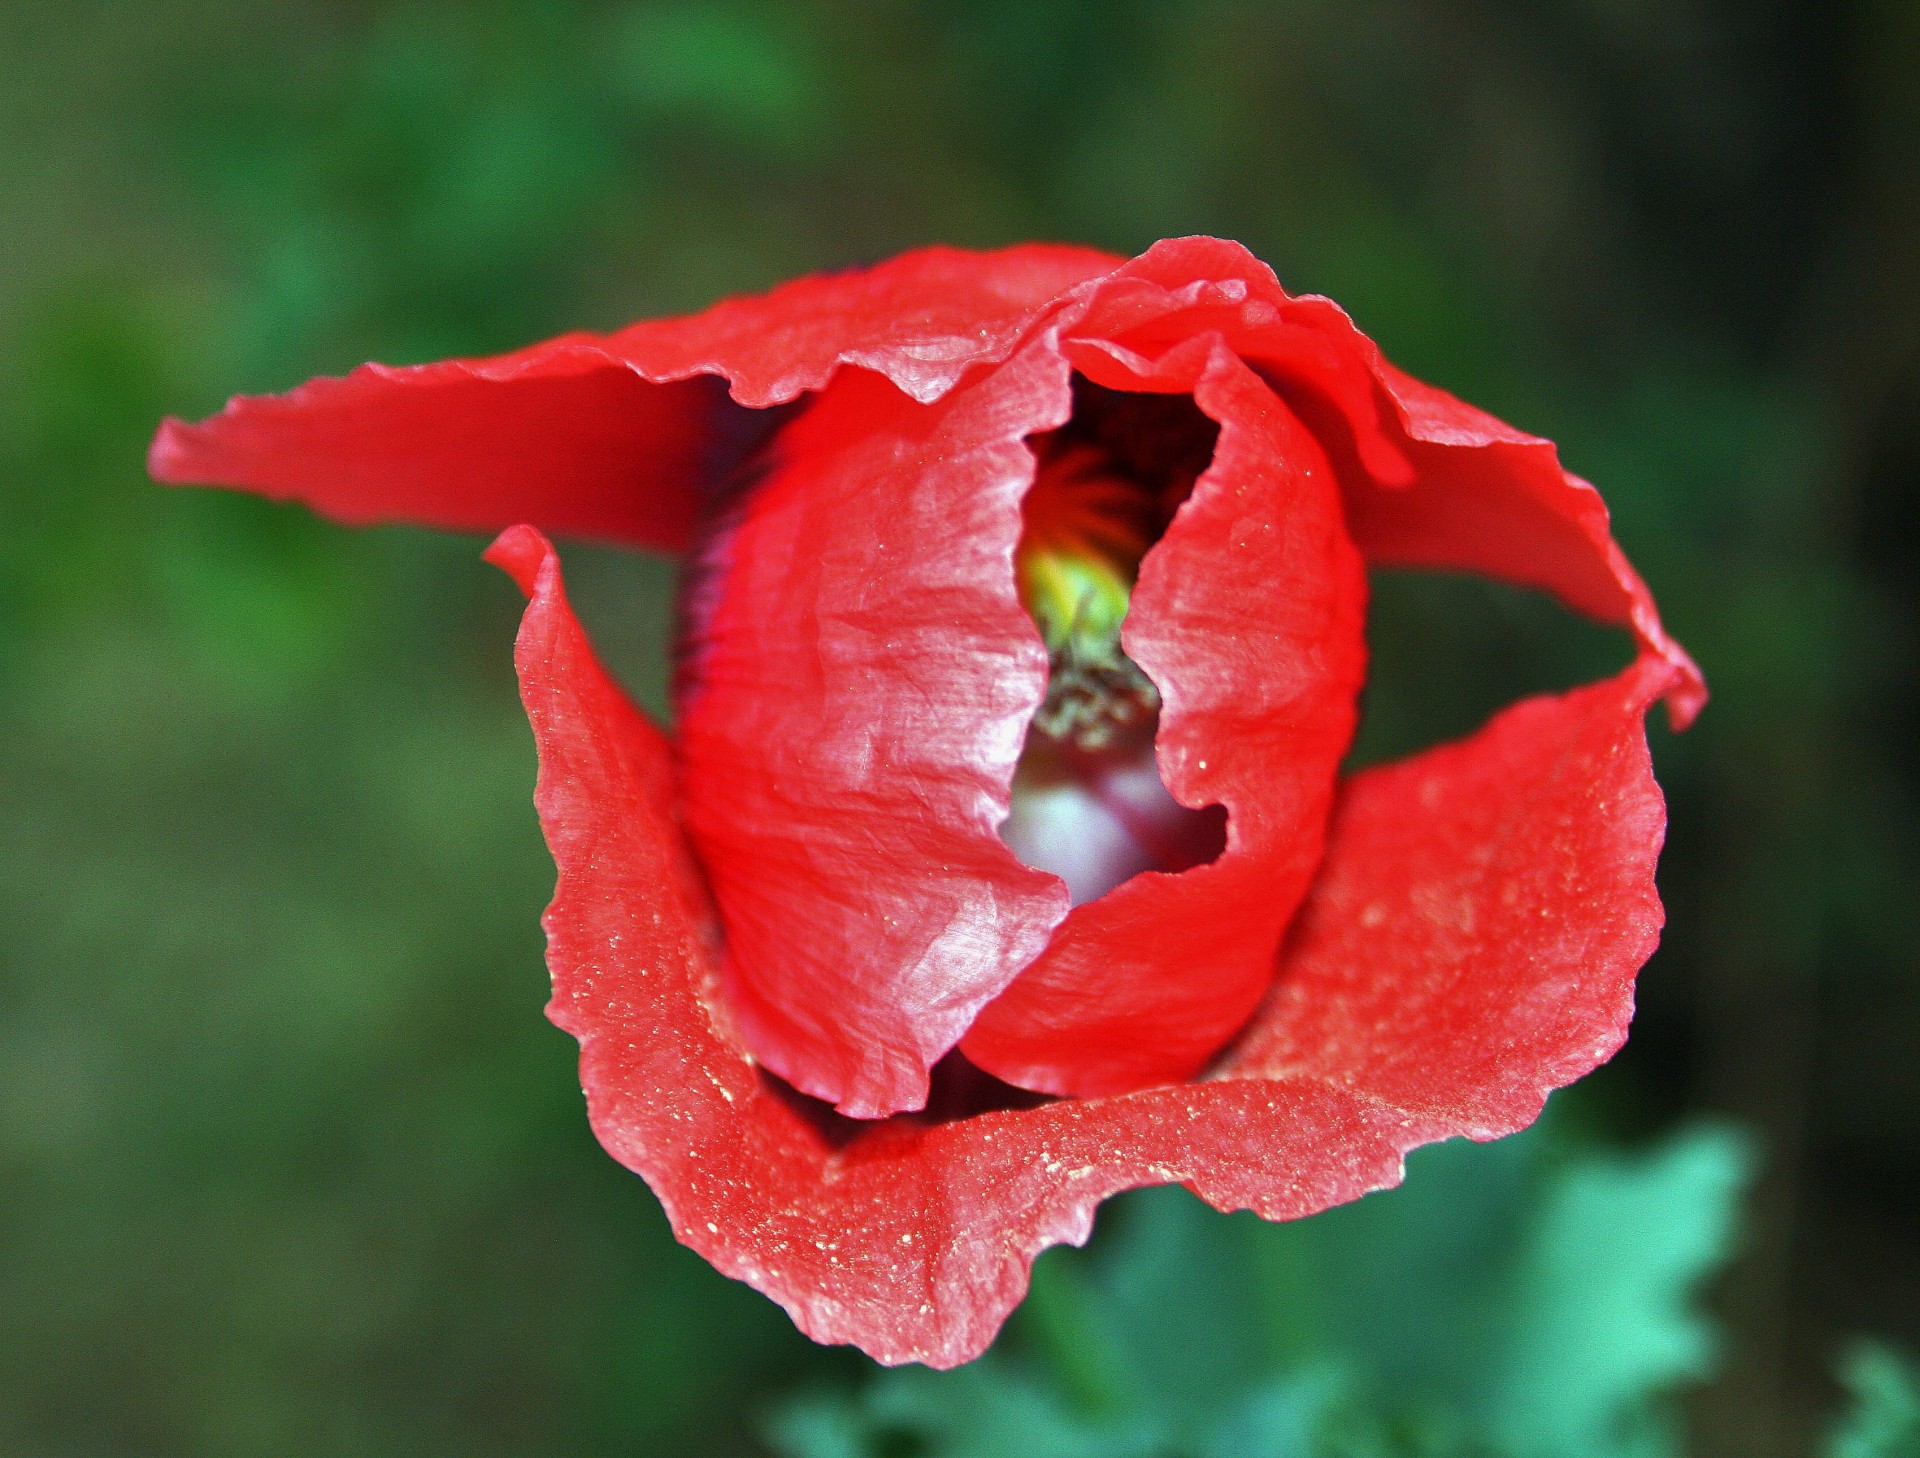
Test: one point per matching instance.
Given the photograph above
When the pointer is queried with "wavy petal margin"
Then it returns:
(621, 437)
(1429, 480)
(1472, 939)
(1470, 945)
(1469, 942)
(618, 437)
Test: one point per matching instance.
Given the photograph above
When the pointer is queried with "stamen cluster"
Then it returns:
(1087, 523)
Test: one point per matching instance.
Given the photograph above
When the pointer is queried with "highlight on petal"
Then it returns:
(619, 437)
(1248, 619)
(859, 674)
(1470, 945)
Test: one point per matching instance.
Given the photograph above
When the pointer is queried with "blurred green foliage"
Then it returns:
(1884, 1420)
(1504, 1302)
(288, 1161)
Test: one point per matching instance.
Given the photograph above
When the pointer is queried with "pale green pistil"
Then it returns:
(1086, 530)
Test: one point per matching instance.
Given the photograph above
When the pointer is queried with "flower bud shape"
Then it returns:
(999, 858)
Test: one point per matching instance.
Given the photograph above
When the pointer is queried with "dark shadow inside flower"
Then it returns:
(1088, 801)
(742, 455)
(956, 1090)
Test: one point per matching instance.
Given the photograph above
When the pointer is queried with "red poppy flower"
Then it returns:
(1022, 636)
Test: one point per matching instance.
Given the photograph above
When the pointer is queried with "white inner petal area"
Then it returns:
(1102, 821)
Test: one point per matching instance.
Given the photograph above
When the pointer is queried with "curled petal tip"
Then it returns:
(1687, 695)
(168, 456)
(520, 552)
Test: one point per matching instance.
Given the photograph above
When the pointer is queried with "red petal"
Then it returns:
(1429, 480)
(859, 682)
(1472, 939)
(1488, 498)
(1248, 617)
(590, 435)
(562, 434)
(921, 319)
(1401, 1018)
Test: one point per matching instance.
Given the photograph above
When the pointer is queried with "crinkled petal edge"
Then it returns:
(913, 1241)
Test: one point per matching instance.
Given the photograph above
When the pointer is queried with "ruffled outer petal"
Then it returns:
(615, 437)
(1248, 616)
(922, 319)
(1470, 944)
(859, 675)
(1429, 480)
(1472, 939)
(560, 434)
(1484, 497)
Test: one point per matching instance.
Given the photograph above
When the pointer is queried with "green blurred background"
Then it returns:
(289, 1162)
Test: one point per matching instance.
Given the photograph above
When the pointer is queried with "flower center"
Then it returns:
(1088, 803)
(1086, 527)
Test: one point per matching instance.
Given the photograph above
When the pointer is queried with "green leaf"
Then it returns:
(1884, 1418)
(1513, 1300)
(1601, 1315)
(1283, 1419)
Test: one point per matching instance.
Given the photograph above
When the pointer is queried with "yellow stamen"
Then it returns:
(1087, 527)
